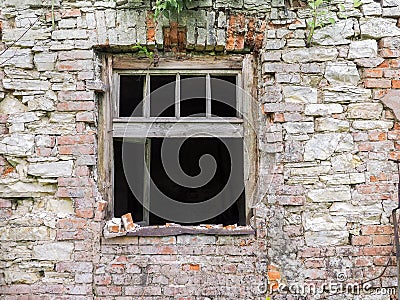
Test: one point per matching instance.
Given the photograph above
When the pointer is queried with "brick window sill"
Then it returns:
(179, 230)
(161, 231)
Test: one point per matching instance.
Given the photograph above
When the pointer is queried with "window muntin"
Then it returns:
(155, 119)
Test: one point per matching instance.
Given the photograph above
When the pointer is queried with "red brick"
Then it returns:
(77, 234)
(291, 200)
(82, 171)
(230, 38)
(191, 267)
(74, 181)
(377, 136)
(71, 13)
(385, 64)
(76, 96)
(373, 73)
(102, 279)
(76, 149)
(394, 155)
(315, 263)
(377, 229)
(75, 106)
(108, 290)
(393, 63)
(86, 213)
(44, 152)
(70, 192)
(378, 250)
(86, 116)
(382, 240)
(361, 240)
(71, 224)
(394, 74)
(5, 203)
(310, 252)
(76, 139)
(362, 262)
(377, 83)
(376, 188)
(389, 53)
(84, 267)
(396, 84)
(383, 260)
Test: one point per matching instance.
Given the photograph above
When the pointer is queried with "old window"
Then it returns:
(177, 149)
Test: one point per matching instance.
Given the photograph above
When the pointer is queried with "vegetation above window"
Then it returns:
(166, 6)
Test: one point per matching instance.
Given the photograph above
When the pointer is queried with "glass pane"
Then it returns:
(131, 95)
(223, 96)
(162, 97)
(193, 96)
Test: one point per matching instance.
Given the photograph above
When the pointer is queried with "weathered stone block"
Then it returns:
(257, 5)
(342, 73)
(313, 54)
(346, 94)
(331, 124)
(20, 58)
(377, 28)
(323, 222)
(345, 162)
(340, 179)
(391, 100)
(371, 9)
(323, 109)
(372, 125)
(323, 145)
(335, 34)
(336, 194)
(326, 238)
(26, 84)
(17, 144)
(60, 251)
(11, 105)
(361, 49)
(25, 189)
(45, 61)
(51, 169)
(299, 127)
(364, 111)
(299, 94)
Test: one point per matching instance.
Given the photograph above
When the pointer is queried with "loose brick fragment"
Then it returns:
(128, 222)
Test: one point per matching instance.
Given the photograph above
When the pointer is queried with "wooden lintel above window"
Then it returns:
(132, 61)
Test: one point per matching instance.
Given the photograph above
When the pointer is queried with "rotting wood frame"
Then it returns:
(112, 126)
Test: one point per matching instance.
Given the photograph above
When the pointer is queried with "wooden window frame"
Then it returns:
(111, 126)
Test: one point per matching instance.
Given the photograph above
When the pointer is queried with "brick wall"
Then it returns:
(328, 138)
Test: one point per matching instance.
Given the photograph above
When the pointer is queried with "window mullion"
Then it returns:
(208, 96)
(146, 98)
(178, 96)
(146, 182)
(239, 96)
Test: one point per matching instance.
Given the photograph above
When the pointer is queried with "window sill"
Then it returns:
(178, 230)
(174, 230)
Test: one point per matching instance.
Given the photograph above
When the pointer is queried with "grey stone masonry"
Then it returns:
(325, 145)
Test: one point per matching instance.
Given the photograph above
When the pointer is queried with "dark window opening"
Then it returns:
(131, 95)
(162, 96)
(193, 96)
(223, 96)
(191, 151)
(124, 200)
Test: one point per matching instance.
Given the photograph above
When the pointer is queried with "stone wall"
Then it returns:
(328, 141)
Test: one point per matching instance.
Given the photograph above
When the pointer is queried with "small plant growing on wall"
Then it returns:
(164, 7)
(318, 18)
